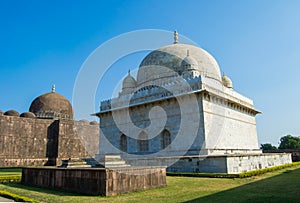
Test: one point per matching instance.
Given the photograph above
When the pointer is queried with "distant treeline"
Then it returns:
(286, 142)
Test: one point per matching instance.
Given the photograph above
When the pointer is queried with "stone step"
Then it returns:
(117, 166)
(115, 163)
(112, 158)
(110, 161)
(79, 166)
(91, 161)
(75, 163)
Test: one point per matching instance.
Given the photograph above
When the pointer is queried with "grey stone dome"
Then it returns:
(27, 115)
(11, 113)
(226, 81)
(172, 57)
(51, 105)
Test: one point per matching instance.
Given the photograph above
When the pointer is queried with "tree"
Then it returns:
(267, 146)
(289, 142)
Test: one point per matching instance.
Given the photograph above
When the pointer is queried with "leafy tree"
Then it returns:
(267, 146)
(289, 142)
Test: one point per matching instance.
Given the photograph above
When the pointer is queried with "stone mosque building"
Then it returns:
(45, 135)
(181, 112)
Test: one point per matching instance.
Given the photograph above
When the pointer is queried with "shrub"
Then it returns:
(205, 175)
(15, 197)
(4, 179)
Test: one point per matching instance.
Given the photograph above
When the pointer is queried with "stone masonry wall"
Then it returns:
(38, 142)
(180, 127)
(89, 136)
(23, 141)
(228, 128)
(69, 144)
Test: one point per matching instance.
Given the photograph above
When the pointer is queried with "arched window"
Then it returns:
(123, 143)
(143, 142)
(165, 139)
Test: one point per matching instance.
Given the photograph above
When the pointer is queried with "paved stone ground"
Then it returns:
(3, 199)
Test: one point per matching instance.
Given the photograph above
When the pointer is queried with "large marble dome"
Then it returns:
(169, 61)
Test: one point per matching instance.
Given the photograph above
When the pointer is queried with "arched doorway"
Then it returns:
(123, 143)
(165, 139)
(143, 142)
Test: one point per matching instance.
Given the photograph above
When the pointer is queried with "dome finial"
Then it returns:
(53, 88)
(187, 52)
(175, 37)
(128, 71)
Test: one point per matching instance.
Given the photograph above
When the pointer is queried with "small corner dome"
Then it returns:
(11, 113)
(27, 115)
(85, 122)
(129, 81)
(51, 105)
(93, 123)
(227, 81)
(189, 63)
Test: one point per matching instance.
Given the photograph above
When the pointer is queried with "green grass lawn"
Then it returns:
(278, 186)
(10, 171)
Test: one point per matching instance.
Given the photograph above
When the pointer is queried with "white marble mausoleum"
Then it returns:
(181, 112)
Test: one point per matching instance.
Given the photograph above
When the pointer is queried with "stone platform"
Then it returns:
(96, 181)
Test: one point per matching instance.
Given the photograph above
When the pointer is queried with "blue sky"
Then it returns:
(256, 43)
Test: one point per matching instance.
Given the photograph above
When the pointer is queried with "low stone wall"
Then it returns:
(17, 162)
(96, 181)
(231, 164)
(239, 164)
(295, 153)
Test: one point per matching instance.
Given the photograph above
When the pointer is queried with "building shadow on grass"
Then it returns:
(284, 187)
(53, 191)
